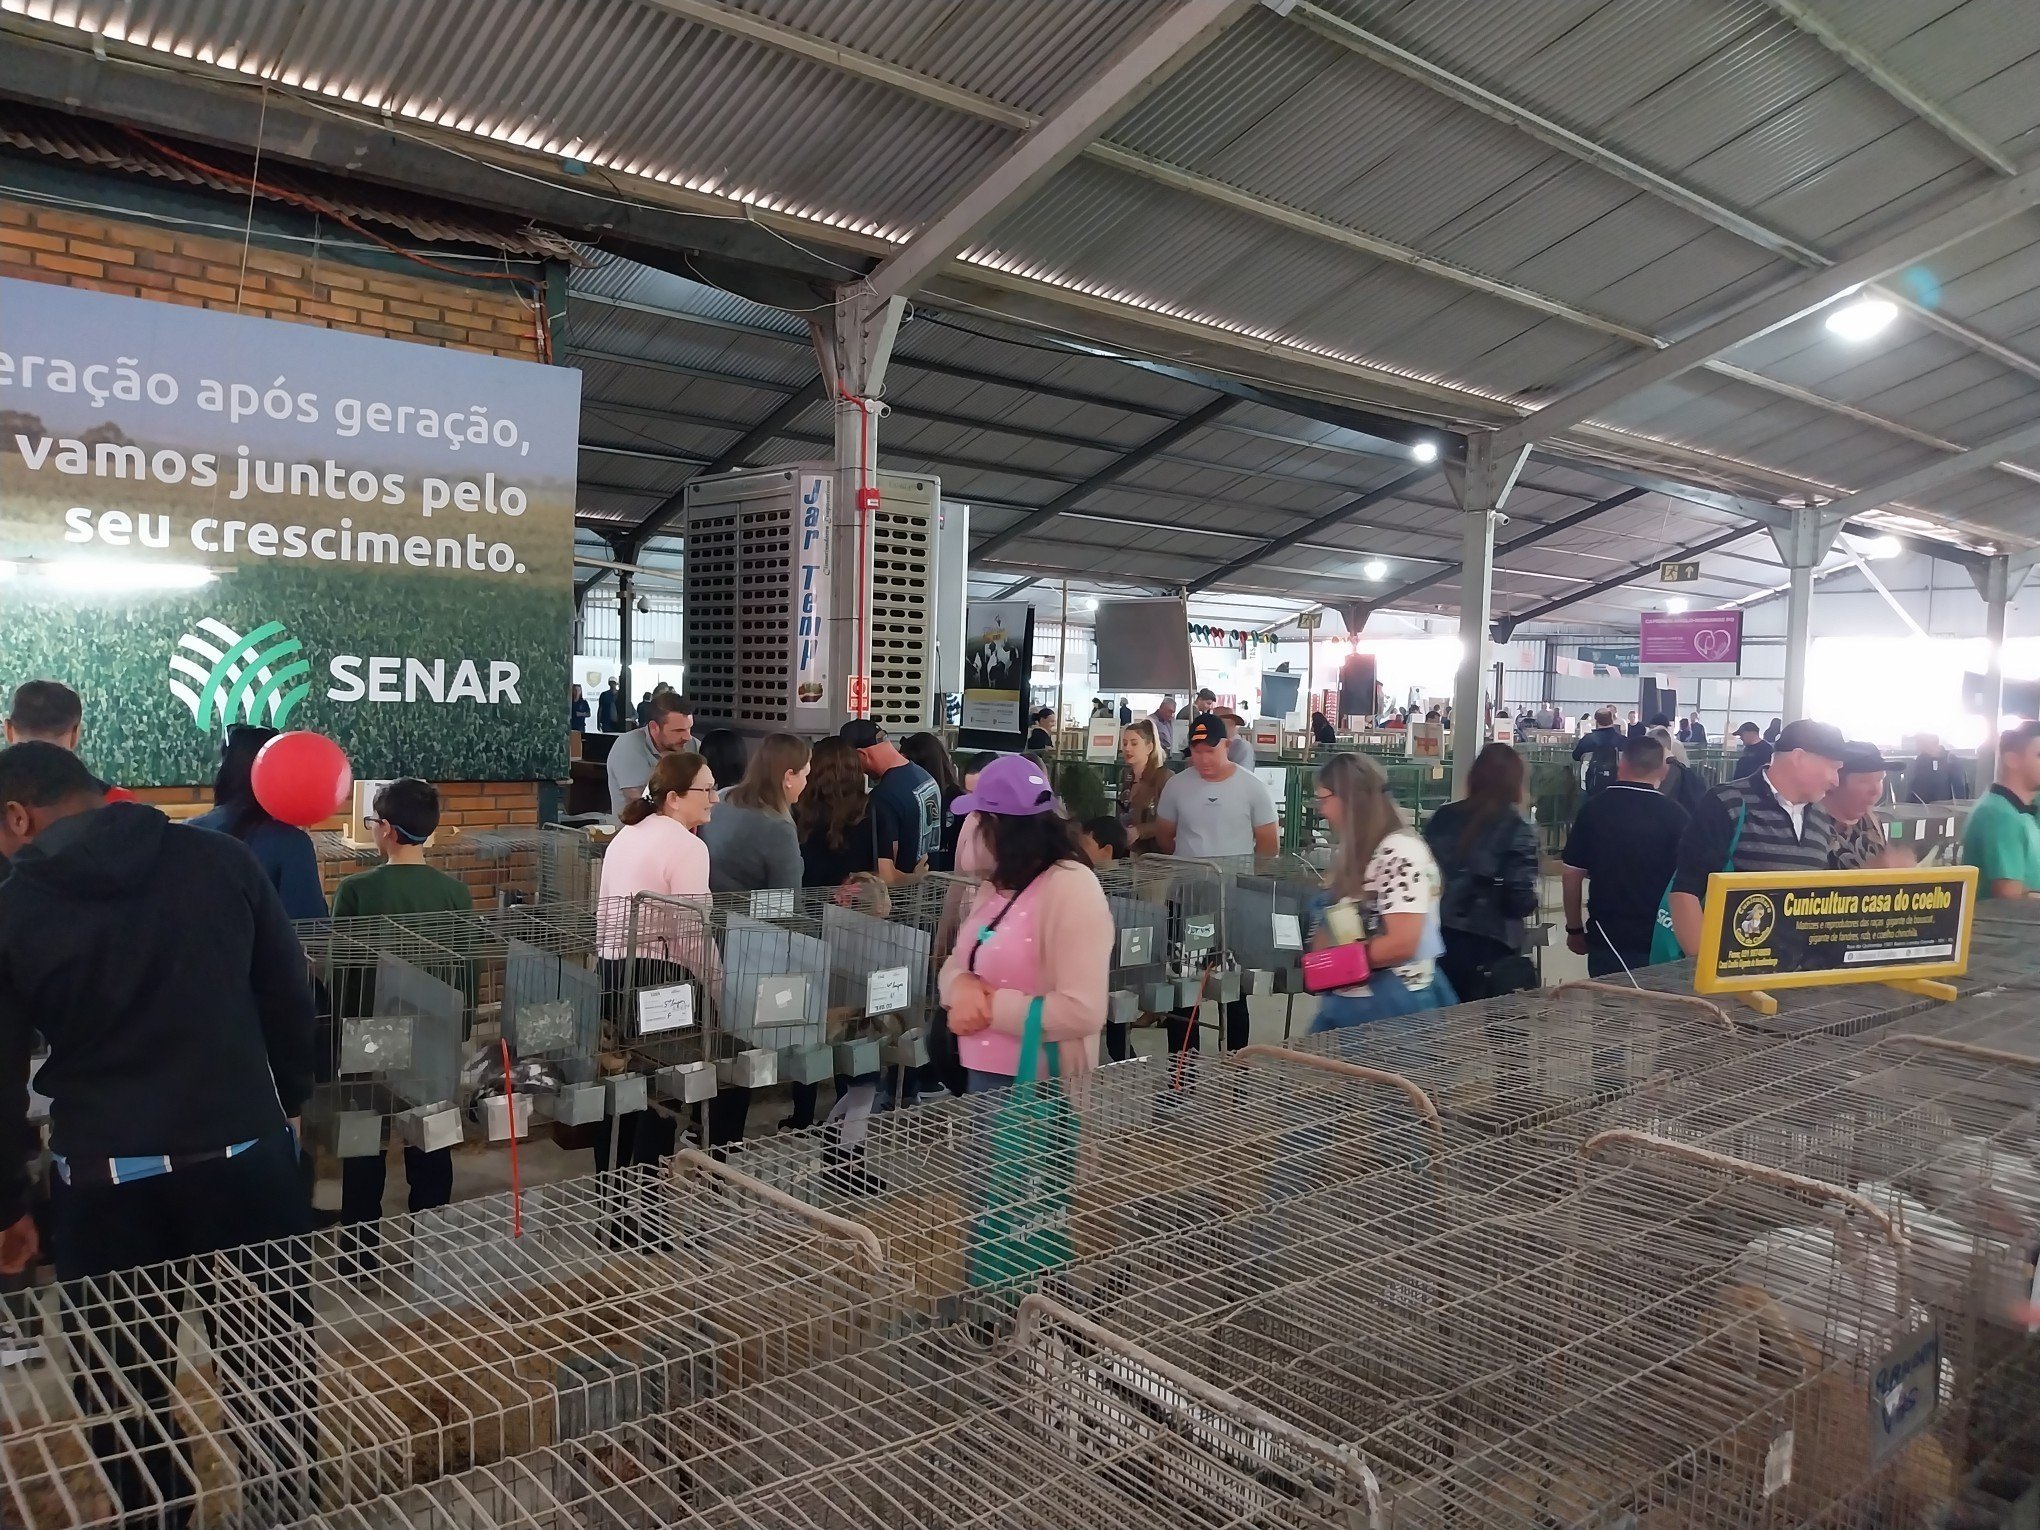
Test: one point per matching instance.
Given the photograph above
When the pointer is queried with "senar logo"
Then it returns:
(257, 678)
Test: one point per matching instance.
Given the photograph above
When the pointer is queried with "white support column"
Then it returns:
(853, 348)
(1997, 582)
(1802, 543)
(1481, 483)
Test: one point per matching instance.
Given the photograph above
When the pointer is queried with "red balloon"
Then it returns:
(301, 778)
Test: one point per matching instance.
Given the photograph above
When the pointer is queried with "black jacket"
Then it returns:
(156, 961)
(1602, 750)
(1684, 785)
(1491, 885)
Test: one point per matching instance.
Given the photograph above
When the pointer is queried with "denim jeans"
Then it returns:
(1387, 997)
(982, 1082)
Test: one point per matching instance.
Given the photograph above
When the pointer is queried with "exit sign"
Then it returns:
(1309, 620)
(1678, 573)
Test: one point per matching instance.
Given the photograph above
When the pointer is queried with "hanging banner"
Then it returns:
(811, 627)
(1707, 641)
(1792, 929)
(998, 659)
(209, 519)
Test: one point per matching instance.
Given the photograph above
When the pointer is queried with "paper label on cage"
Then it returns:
(1288, 933)
(1136, 945)
(773, 903)
(665, 1009)
(887, 990)
(1200, 932)
(1905, 1390)
(1778, 1464)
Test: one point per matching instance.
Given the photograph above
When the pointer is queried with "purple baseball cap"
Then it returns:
(1012, 785)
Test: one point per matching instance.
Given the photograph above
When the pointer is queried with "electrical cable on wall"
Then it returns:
(313, 204)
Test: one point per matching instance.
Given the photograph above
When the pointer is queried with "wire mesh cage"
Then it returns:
(244, 1388)
(1169, 948)
(501, 866)
(1069, 1425)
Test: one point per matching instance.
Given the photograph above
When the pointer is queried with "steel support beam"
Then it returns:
(1481, 482)
(1077, 493)
(1137, 68)
(1933, 474)
(1629, 575)
(1880, 74)
(1297, 535)
(1997, 582)
(626, 599)
(1529, 538)
(1872, 261)
(737, 453)
(1802, 547)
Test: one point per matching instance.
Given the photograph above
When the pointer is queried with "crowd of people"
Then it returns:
(183, 1035)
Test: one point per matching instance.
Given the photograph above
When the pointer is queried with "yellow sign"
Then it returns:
(1807, 929)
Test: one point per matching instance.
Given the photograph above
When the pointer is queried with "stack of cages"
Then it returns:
(836, 984)
(419, 1015)
(1067, 1426)
(773, 591)
(1164, 1149)
(1169, 952)
(252, 1387)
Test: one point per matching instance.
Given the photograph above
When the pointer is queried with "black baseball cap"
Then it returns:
(1208, 729)
(1864, 759)
(1823, 739)
(1207, 694)
(861, 733)
(1748, 728)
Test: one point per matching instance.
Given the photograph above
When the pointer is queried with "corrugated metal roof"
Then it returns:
(102, 146)
(1725, 94)
(1026, 53)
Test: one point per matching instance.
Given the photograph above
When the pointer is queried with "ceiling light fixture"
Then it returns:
(1677, 604)
(1879, 547)
(1374, 568)
(1862, 318)
(1425, 451)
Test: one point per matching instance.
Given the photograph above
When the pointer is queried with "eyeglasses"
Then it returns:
(1325, 796)
(693, 789)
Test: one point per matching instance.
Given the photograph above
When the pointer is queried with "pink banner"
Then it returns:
(1689, 639)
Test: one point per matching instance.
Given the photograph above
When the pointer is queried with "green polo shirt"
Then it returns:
(2002, 841)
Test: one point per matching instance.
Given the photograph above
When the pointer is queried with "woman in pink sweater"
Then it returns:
(1038, 928)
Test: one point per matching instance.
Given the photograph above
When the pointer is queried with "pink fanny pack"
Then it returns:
(1336, 967)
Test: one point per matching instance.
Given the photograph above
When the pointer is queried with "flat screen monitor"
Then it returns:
(1144, 645)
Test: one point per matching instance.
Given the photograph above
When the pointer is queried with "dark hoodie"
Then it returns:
(156, 962)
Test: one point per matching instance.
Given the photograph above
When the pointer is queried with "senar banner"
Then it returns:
(1789, 929)
(208, 519)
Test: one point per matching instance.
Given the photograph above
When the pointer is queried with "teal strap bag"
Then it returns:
(1022, 1229)
(1664, 944)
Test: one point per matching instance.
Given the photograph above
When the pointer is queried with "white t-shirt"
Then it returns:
(1402, 878)
(1216, 818)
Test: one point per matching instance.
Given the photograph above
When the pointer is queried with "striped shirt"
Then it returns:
(1768, 839)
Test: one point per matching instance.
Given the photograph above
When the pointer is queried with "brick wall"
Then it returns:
(134, 259)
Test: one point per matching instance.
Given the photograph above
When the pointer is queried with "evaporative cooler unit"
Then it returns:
(773, 587)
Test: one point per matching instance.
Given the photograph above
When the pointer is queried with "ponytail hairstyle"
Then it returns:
(673, 773)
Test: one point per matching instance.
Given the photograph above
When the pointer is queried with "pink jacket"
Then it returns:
(657, 855)
(1073, 925)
